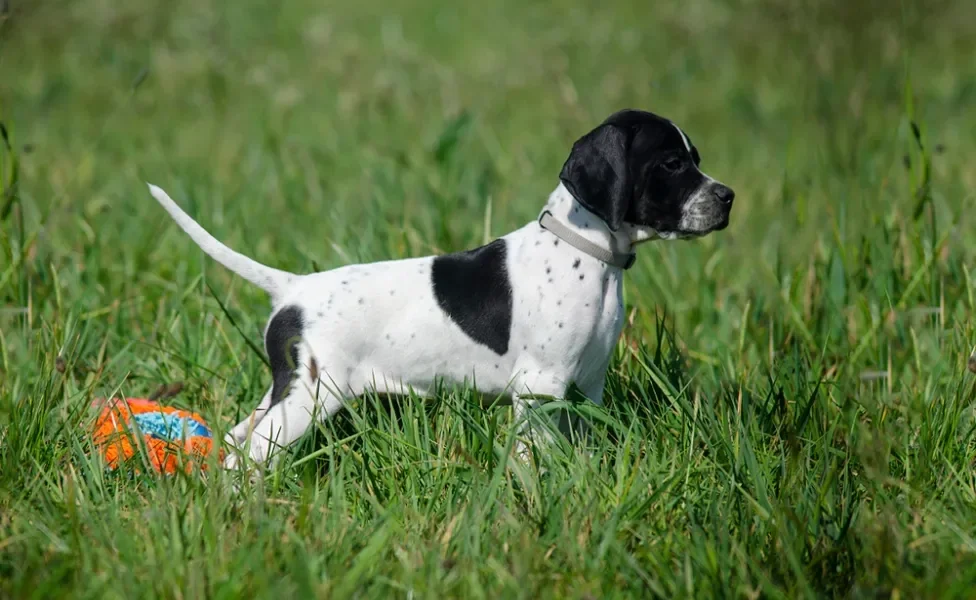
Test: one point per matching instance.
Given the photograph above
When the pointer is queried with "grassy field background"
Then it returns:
(789, 410)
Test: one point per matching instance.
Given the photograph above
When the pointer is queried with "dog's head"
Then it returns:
(641, 172)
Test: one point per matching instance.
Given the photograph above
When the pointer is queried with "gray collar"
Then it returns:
(561, 231)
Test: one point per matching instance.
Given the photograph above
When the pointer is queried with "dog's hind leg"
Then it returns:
(288, 420)
(238, 434)
(298, 389)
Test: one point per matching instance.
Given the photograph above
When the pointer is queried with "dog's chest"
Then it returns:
(569, 306)
(607, 324)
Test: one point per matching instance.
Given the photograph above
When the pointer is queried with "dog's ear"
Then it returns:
(597, 173)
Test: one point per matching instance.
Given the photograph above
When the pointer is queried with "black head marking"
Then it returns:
(634, 168)
(474, 290)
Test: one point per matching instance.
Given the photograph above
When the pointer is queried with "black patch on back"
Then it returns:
(281, 342)
(473, 288)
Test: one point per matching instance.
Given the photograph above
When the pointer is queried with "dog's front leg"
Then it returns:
(528, 397)
(594, 392)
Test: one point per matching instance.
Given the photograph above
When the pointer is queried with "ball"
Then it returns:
(172, 437)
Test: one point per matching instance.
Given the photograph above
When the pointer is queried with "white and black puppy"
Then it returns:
(522, 317)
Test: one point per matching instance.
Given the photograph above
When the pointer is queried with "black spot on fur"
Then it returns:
(474, 290)
(281, 342)
(361, 300)
(555, 242)
(581, 277)
(576, 263)
(548, 270)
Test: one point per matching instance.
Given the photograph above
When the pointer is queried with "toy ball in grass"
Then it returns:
(171, 436)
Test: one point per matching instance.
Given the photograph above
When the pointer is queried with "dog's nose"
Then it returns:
(724, 194)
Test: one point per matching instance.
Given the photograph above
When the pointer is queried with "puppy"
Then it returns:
(520, 318)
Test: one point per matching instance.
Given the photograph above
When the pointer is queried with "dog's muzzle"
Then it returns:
(707, 210)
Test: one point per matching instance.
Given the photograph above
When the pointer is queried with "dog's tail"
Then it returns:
(270, 280)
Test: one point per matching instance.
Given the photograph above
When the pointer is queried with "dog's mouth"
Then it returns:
(699, 224)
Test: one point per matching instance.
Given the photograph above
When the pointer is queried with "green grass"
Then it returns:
(789, 412)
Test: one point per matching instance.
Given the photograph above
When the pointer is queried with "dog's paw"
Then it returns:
(233, 453)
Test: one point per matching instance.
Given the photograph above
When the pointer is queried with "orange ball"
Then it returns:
(171, 436)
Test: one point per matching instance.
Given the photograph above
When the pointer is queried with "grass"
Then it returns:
(789, 412)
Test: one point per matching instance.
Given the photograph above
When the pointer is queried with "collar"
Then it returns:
(623, 260)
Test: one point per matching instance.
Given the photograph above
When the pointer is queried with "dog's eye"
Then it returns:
(673, 164)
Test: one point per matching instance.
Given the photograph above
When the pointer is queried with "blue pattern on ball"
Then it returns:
(170, 427)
